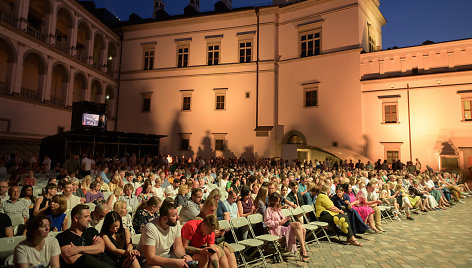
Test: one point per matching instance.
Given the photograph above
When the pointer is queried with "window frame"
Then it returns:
(186, 94)
(307, 90)
(185, 137)
(185, 63)
(149, 65)
(307, 33)
(392, 147)
(245, 49)
(221, 92)
(146, 96)
(463, 109)
(384, 112)
(214, 60)
(217, 137)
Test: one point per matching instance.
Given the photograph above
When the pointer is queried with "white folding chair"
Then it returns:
(238, 248)
(8, 244)
(135, 239)
(250, 242)
(267, 238)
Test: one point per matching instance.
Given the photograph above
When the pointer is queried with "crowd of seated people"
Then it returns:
(176, 206)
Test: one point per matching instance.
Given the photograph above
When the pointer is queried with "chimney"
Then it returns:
(193, 7)
(223, 5)
(159, 12)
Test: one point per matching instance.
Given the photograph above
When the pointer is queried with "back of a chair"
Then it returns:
(239, 222)
(297, 211)
(255, 218)
(106, 195)
(53, 234)
(91, 206)
(16, 219)
(8, 244)
(286, 212)
(212, 186)
(308, 208)
(224, 224)
(135, 239)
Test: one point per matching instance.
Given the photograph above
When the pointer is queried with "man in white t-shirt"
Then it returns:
(159, 235)
(173, 189)
(87, 165)
(72, 200)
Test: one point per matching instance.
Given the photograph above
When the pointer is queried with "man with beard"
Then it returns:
(162, 233)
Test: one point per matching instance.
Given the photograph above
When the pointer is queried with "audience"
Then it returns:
(192, 208)
(94, 195)
(15, 209)
(55, 213)
(6, 229)
(146, 212)
(43, 202)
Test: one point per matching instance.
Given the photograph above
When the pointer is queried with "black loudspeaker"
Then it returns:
(88, 115)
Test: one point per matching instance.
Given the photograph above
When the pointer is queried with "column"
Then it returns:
(381, 67)
(403, 64)
(90, 46)
(73, 35)
(17, 75)
(450, 59)
(104, 56)
(21, 10)
(426, 58)
(52, 24)
(89, 87)
(70, 88)
(104, 90)
(46, 83)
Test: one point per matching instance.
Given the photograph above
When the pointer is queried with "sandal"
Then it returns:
(355, 243)
(305, 259)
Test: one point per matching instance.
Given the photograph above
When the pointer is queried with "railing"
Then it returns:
(62, 47)
(8, 18)
(56, 101)
(80, 55)
(29, 94)
(35, 33)
(4, 90)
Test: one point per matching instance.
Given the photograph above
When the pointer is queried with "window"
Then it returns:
(186, 99)
(186, 103)
(185, 141)
(390, 113)
(392, 156)
(467, 110)
(220, 102)
(146, 107)
(310, 44)
(370, 34)
(213, 53)
(148, 59)
(311, 98)
(392, 151)
(245, 51)
(219, 145)
(182, 56)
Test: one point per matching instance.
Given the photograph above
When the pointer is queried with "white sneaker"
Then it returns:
(462, 202)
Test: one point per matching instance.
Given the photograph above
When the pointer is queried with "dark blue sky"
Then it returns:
(409, 22)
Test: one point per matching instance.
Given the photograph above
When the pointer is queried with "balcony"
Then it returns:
(35, 33)
(62, 47)
(29, 94)
(4, 89)
(8, 18)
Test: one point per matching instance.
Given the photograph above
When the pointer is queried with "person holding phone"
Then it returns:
(283, 226)
(198, 238)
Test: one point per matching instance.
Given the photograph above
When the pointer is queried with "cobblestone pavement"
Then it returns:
(434, 239)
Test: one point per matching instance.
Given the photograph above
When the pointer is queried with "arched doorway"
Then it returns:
(83, 39)
(80, 87)
(64, 24)
(111, 58)
(95, 91)
(7, 59)
(59, 82)
(34, 70)
(38, 19)
(98, 50)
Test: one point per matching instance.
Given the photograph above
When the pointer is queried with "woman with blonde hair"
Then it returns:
(260, 201)
(181, 197)
(103, 186)
(114, 182)
(146, 212)
(121, 207)
(55, 212)
(85, 184)
(221, 211)
(115, 196)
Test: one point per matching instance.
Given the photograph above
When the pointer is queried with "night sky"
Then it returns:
(409, 22)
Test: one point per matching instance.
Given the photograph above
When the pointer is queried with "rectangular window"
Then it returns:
(245, 51)
(310, 44)
(311, 98)
(184, 144)
(186, 100)
(390, 113)
(392, 156)
(182, 56)
(220, 102)
(213, 54)
(219, 145)
(146, 104)
(149, 59)
(467, 104)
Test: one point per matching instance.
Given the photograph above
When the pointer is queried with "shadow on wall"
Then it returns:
(205, 150)
(365, 149)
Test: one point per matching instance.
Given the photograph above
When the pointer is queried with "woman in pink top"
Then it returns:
(361, 205)
(283, 227)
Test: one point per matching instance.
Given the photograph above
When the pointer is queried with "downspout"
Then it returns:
(257, 70)
(409, 121)
(119, 83)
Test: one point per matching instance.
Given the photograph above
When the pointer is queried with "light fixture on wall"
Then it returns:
(438, 82)
(392, 86)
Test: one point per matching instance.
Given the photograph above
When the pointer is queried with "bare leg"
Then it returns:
(298, 231)
(231, 258)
